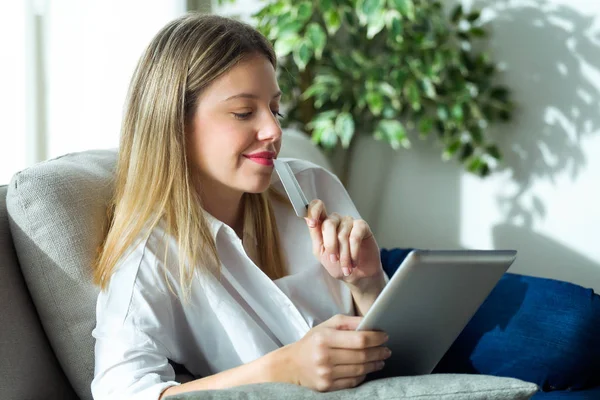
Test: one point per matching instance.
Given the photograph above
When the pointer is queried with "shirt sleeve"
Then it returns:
(134, 328)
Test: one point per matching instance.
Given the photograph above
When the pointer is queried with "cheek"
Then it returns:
(220, 142)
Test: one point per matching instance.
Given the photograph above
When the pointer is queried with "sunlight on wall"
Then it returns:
(546, 204)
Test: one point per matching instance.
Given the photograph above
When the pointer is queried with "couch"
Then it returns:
(51, 219)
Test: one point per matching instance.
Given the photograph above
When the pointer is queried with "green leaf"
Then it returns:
(406, 8)
(305, 11)
(411, 91)
(317, 37)
(375, 24)
(344, 126)
(478, 32)
(375, 102)
(475, 165)
(451, 149)
(442, 112)
(351, 18)
(457, 13)
(394, 131)
(388, 90)
(494, 152)
(476, 135)
(499, 93)
(467, 151)
(285, 44)
(428, 88)
(328, 79)
(328, 137)
(473, 16)
(332, 21)
(314, 90)
(371, 7)
(396, 29)
(325, 5)
(359, 58)
(284, 30)
(457, 112)
(425, 126)
(302, 54)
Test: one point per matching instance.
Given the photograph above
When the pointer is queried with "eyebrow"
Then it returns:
(249, 96)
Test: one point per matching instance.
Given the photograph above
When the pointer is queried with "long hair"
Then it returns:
(154, 173)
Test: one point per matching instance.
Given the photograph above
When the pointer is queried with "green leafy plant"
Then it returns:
(390, 68)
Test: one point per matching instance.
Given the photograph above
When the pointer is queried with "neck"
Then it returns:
(224, 204)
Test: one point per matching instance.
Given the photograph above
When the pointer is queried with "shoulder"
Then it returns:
(138, 276)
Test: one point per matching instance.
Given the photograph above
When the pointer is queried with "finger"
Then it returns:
(315, 214)
(343, 238)
(360, 231)
(316, 211)
(356, 370)
(343, 322)
(330, 236)
(372, 354)
(355, 340)
(346, 383)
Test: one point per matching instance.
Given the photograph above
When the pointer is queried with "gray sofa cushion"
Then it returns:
(425, 387)
(57, 211)
(24, 347)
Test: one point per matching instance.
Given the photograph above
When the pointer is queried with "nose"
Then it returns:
(270, 129)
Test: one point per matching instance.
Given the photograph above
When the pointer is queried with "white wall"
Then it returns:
(65, 71)
(92, 49)
(12, 88)
(546, 203)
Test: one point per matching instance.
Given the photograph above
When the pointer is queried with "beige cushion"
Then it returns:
(57, 210)
(425, 387)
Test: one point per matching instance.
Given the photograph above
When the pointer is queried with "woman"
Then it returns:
(205, 263)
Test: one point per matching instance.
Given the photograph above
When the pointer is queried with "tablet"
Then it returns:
(428, 302)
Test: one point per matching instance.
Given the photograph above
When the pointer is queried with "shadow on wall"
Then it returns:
(553, 57)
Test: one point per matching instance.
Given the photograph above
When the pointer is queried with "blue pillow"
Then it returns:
(535, 329)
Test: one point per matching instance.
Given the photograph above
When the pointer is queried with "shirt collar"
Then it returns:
(249, 231)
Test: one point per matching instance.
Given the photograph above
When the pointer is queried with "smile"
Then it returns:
(264, 158)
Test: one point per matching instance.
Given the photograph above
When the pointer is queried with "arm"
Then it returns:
(265, 369)
(365, 292)
(331, 356)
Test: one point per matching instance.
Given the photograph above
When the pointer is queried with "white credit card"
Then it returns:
(292, 187)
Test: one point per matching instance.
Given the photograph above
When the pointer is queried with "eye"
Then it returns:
(242, 115)
(277, 114)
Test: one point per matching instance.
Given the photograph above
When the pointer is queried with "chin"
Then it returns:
(257, 185)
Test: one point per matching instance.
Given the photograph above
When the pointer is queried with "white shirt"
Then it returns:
(227, 322)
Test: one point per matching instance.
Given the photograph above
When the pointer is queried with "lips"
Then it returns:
(262, 157)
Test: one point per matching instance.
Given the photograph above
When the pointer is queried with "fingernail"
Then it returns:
(311, 222)
(333, 258)
(387, 353)
(345, 271)
(380, 365)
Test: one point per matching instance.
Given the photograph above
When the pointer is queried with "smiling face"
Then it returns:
(235, 131)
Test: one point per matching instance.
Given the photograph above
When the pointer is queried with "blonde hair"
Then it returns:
(154, 173)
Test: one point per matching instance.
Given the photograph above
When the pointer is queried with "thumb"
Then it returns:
(343, 322)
